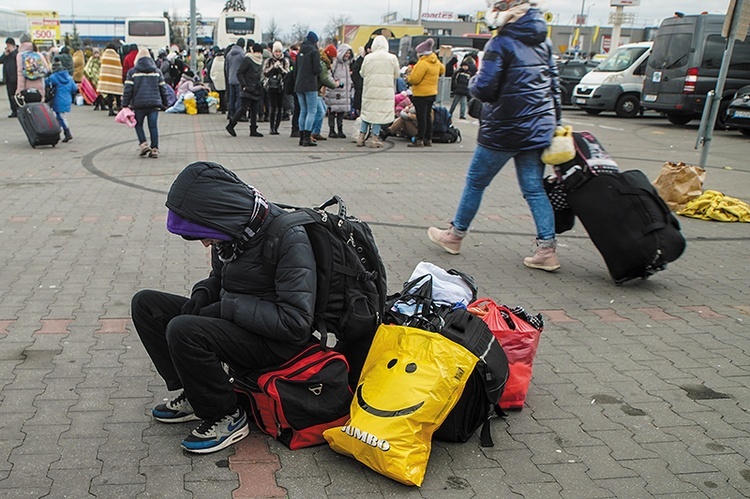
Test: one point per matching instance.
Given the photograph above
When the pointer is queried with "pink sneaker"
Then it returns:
(446, 239)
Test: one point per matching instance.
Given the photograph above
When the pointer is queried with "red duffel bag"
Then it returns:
(518, 333)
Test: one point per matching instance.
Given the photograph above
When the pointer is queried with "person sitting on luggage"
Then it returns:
(63, 88)
(243, 314)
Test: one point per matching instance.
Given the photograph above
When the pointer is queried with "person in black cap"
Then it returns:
(244, 314)
(10, 73)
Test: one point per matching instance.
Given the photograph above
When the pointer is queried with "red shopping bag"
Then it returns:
(520, 340)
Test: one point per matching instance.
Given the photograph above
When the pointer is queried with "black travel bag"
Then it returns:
(630, 224)
(40, 124)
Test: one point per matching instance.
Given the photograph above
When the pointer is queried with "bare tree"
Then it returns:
(273, 32)
(331, 30)
(234, 5)
(297, 33)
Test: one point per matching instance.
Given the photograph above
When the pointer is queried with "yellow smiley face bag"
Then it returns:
(410, 382)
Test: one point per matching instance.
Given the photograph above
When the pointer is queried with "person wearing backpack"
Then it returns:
(62, 88)
(31, 67)
(244, 314)
(518, 84)
(424, 78)
(10, 73)
(275, 70)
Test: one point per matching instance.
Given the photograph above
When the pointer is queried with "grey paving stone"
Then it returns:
(535, 489)
(87, 424)
(487, 482)
(161, 479)
(41, 439)
(29, 470)
(622, 445)
(19, 401)
(467, 455)
(574, 480)
(298, 464)
(733, 466)
(659, 480)
(71, 483)
(622, 488)
(119, 469)
(518, 466)
(117, 490)
(50, 412)
(79, 453)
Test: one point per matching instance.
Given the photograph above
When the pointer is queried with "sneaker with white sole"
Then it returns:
(177, 410)
(446, 239)
(214, 435)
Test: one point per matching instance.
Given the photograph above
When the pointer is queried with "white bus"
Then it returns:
(149, 32)
(235, 24)
(12, 25)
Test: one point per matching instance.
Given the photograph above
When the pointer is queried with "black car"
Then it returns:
(738, 113)
(571, 72)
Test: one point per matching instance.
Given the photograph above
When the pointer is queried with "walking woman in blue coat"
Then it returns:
(146, 94)
(517, 83)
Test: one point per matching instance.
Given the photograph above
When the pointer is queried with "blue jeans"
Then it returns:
(375, 128)
(487, 163)
(320, 115)
(152, 116)
(62, 120)
(233, 98)
(308, 107)
(459, 99)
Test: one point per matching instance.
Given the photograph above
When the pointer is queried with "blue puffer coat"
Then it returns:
(144, 86)
(65, 89)
(517, 82)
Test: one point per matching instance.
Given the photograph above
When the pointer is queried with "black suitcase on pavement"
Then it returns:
(629, 223)
(39, 122)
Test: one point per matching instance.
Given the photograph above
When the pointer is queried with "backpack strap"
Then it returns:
(485, 436)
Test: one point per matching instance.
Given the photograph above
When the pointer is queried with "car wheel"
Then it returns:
(722, 118)
(679, 119)
(745, 131)
(628, 106)
(564, 97)
(593, 112)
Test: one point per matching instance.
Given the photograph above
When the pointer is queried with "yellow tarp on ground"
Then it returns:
(713, 205)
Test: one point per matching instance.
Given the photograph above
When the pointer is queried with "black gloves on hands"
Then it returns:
(213, 310)
(197, 301)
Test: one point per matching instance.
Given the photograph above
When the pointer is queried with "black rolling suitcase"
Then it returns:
(629, 223)
(39, 122)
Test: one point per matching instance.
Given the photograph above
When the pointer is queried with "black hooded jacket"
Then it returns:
(307, 68)
(277, 307)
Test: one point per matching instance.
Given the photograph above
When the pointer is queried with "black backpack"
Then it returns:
(481, 395)
(484, 387)
(275, 82)
(443, 131)
(351, 281)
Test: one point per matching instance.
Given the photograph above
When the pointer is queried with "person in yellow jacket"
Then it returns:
(424, 79)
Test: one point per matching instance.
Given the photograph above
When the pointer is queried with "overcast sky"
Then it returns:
(316, 13)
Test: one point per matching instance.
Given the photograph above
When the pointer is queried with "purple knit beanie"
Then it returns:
(192, 231)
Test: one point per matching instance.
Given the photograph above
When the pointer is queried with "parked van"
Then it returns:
(615, 85)
(684, 66)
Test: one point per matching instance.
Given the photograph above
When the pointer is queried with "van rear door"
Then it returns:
(668, 64)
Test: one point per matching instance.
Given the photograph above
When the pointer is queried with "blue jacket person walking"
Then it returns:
(61, 84)
(517, 83)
